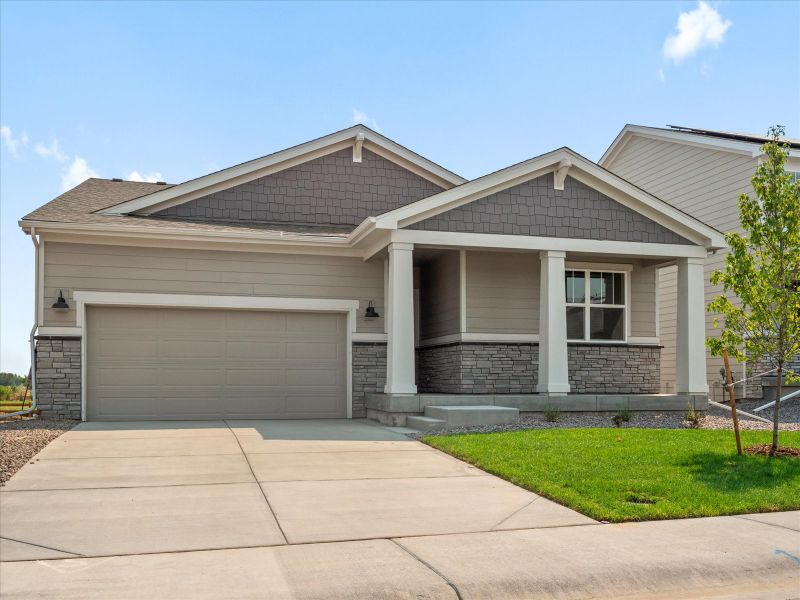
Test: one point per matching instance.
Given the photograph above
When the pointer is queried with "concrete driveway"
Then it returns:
(110, 489)
(345, 509)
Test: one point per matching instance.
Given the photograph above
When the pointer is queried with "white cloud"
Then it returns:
(51, 151)
(701, 27)
(10, 141)
(661, 77)
(77, 172)
(359, 116)
(148, 177)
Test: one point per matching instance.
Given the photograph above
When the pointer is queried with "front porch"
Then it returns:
(500, 327)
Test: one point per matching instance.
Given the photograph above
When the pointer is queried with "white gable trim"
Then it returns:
(752, 149)
(285, 159)
(582, 170)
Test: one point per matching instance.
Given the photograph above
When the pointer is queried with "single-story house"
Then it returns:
(702, 172)
(349, 276)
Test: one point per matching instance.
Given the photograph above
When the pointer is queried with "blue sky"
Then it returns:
(175, 90)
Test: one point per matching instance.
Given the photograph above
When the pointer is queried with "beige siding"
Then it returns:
(705, 183)
(440, 296)
(502, 292)
(643, 301)
(178, 271)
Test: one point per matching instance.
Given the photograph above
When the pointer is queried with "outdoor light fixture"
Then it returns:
(371, 313)
(60, 304)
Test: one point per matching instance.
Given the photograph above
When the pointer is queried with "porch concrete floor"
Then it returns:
(336, 509)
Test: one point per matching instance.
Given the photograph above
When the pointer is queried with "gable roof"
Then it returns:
(739, 143)
(561, 161)
(82, 207)
(356, 136)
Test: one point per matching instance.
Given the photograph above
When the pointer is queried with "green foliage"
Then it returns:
(622, 416)
(637, 474)
(12, 379)
(6, 393)
(692, 416)
(551, 414)
(762, 270)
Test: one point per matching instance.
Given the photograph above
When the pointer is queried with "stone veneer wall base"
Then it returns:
(58, 376)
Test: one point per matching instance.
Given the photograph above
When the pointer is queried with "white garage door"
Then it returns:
(167, 363)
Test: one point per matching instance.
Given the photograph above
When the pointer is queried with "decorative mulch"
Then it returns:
(763, 449)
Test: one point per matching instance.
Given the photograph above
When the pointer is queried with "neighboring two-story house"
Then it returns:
(703, 173)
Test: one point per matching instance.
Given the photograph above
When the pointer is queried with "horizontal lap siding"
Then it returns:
(91, 267)
(440, 296)
(643, 301)
(502, 292)
(705, 183)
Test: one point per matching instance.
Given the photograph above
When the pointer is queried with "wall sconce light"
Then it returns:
(371, 313)
(60, 304)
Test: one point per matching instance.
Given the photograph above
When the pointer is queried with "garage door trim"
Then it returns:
(83, 299)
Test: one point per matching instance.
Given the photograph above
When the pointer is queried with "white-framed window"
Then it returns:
(596, 305)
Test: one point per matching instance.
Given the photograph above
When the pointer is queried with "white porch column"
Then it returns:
(553, 376)
(690, 360)
(400, 377)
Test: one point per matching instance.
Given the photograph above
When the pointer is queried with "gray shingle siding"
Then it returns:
(330, 190)
(535, 208)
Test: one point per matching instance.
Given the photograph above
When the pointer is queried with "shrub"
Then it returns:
(551, 414)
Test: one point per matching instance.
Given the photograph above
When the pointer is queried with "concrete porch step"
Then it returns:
(421, 423)
(460, 416)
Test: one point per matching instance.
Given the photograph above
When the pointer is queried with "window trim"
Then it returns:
(586, 305)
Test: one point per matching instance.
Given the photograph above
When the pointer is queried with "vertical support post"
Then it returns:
(553, 361)
(732, 396)
(691, 377)
(400, 375)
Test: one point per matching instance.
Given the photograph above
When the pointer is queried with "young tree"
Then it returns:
(763, 271)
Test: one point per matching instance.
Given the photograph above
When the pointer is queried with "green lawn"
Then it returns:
(637, 474)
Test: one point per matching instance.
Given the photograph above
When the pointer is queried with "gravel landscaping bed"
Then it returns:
(714, 418)
(21, 440)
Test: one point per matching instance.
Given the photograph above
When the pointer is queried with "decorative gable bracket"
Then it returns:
(561, 173)
(357, 145)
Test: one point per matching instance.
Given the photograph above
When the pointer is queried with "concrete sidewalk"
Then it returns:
(753, 556)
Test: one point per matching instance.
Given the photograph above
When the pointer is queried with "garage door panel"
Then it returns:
(311, 350)
(189, 349)
(249, 349)
(251, 377)
(151, 363)
(256, 321)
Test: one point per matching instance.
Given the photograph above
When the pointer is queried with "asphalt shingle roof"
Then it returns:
(81, 203)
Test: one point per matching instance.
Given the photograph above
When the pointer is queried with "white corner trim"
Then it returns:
(358, 143)
(40, 281)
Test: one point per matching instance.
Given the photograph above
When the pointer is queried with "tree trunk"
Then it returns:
(777, 410)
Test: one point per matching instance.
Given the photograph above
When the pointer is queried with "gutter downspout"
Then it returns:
(32, 337)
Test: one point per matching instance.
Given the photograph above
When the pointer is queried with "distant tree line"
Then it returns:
(12, 379)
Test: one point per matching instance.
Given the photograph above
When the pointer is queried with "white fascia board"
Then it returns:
(480, 241)
(488, 184)
(752, 149)
(109, 229)
(581, 169)
(281, 160)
